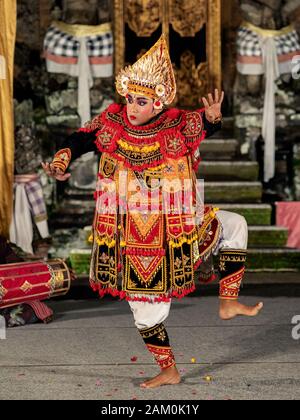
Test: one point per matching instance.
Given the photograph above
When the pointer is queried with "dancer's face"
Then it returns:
(140, 109)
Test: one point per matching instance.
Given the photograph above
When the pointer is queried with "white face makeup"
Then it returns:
(140, 109)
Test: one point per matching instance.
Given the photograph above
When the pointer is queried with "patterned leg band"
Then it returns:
(157, 342)
(232, 269)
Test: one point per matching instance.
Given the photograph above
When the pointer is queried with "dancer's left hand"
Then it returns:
(213, 106)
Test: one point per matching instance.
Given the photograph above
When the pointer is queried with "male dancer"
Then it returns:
(148, 153)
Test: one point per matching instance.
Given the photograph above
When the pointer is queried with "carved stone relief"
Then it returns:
(187, 16)
(189, 94)
(143, 16)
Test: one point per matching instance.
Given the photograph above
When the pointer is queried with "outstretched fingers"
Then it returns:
(213, 100)
(206, 104)
(63, 177)
(210, 99)
(216, 96)
(46, 167)
(222, 97)
(55, 172)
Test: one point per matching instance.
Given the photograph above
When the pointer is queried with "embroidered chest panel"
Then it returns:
(142, 147)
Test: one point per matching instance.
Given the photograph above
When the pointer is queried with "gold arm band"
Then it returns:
(62, 159)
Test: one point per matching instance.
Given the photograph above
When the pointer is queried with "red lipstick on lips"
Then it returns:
(132, 117)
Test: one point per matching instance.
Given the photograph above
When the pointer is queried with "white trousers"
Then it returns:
(234, 231)
(234, 236)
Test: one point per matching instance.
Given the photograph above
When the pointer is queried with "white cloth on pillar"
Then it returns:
(21, 232)
(83, 51)
(271, 69)
(43, 228)
(269, 53)
(29, 207)
(34, 191)
(85, 82)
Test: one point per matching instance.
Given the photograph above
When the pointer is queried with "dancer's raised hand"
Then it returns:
(213, 106)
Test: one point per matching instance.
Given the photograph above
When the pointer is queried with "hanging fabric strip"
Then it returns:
(271, 70)
(269, 53)
(85, 82)
(80, 51)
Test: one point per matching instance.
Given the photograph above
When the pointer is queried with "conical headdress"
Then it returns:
(152, 75)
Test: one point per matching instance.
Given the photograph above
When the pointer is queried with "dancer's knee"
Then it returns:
(241, 223)
(147, 315)
(235, 230)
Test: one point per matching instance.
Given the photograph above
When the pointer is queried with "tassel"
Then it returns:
(146, 253)
(110, 243)
(145, 149)
(209, 280)
(122, 295)
(197, 265)
(85, 130)
(183, 240)
(197, 164)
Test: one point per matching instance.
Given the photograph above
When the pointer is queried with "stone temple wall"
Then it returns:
(46, 104)
(248, 100)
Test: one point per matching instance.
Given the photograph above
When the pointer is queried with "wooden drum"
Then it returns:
(39, 280)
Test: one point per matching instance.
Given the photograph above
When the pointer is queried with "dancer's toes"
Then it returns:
(166, 377)
(230, 309)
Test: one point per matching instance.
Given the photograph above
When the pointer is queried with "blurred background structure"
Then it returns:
(213, 43)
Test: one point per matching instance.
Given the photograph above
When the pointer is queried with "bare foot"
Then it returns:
(231, 308)
(166, 377)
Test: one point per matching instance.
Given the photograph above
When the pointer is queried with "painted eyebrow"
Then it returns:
(140, 98)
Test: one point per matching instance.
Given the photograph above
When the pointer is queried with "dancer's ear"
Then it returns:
(157, 107)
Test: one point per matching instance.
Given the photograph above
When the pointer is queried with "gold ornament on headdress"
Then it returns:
(152, 75)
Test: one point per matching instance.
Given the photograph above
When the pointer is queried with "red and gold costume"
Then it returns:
(157, 252)
(148, 256)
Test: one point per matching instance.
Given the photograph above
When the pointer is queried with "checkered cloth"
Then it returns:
(270, 53)
(35, 196)
(80, 51)
(61, 44)
(248, 43)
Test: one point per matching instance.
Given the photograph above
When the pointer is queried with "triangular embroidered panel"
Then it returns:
(146, 267)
